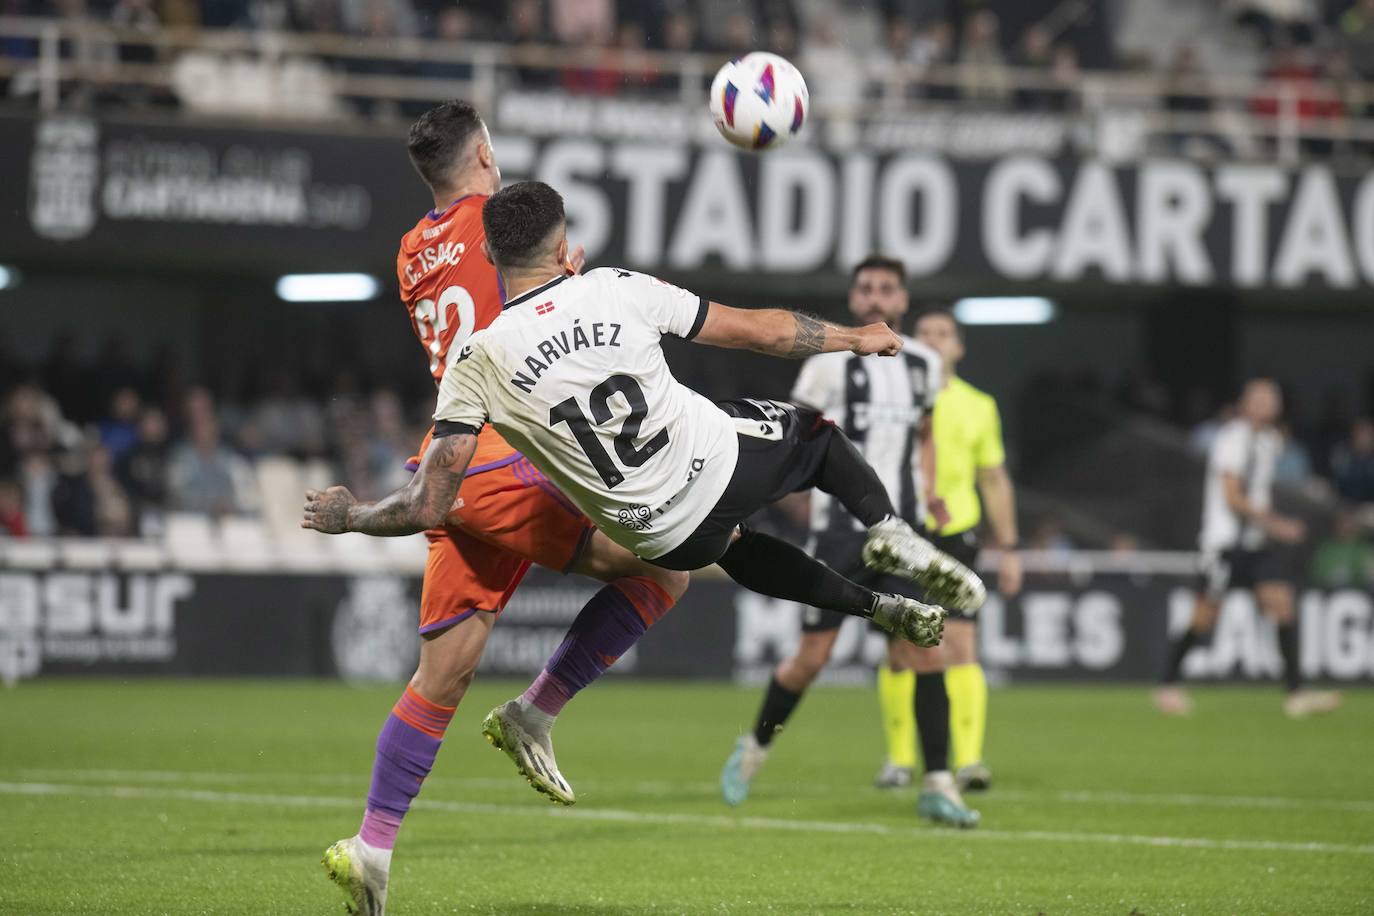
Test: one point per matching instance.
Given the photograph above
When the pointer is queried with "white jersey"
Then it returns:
(879, 402)
(572, 374)
(1250, 454)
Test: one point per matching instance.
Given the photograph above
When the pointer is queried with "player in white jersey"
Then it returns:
(1239, 530)
(883, 406)
(573, 375)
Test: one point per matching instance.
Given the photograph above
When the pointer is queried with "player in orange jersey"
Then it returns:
(507, 516)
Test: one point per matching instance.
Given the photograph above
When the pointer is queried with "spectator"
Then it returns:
(1290, 75)
(290, 423)
(204, 475)
(1346, 558)
(1357, 33)
(1279, 22)
(1294, 465)
(581, 23)
(983, 73)
(112, 511)
(1352, 463)
(843, 87)
(1050, 537)
(139, 16)
(1035, 52)
(12, 522)
(143, 472)
(119, 431)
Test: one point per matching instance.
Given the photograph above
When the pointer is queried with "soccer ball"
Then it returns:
(759, 101)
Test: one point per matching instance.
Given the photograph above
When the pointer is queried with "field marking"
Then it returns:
(676, 819)
(660, 787)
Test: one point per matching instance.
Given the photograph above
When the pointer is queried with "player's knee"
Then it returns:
(672, 581)
(960, 645)
(446, 688)
(1276, 601)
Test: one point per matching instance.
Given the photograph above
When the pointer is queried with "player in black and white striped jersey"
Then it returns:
(884, 408)
(1239, 546)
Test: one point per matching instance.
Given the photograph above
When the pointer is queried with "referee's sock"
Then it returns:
(968, 712)
(896, 696)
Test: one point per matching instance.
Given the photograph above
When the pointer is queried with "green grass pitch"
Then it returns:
(218, 797)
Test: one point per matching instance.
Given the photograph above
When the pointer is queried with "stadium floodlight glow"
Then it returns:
(8, 277)
(1004, 310)
(327, 287)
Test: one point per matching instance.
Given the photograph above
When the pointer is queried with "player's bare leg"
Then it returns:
(637, 595)
(406, 748)
(790, 680)
(1169, 697)
(969, 706)
(939, 799)
(1276, 601)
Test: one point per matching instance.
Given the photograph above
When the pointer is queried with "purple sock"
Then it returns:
(605, 629)
(406, 749)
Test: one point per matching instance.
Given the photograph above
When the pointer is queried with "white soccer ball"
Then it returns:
(759, 101)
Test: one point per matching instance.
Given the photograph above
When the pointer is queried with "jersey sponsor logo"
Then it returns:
(433, 232)
(434, 256)
(867, 415)
(635, 517)
(551, 349)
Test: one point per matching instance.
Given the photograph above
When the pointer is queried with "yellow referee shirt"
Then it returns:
(968, 437)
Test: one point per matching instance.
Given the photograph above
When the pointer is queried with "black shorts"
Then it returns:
(1240, 568)
(782, 454)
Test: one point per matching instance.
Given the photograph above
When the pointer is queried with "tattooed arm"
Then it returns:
(421, 504)
(792, 335)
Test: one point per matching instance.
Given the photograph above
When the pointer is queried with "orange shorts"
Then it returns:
(508, 515)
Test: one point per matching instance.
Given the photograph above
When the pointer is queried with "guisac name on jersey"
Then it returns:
(573, 375)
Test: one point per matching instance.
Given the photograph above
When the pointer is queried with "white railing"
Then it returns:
(286, 68)
(314, 553)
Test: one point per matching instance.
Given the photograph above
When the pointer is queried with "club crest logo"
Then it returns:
(64, 174)
(635, 517)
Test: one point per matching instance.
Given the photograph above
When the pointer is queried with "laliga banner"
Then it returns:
(363, 627)
(93, 190)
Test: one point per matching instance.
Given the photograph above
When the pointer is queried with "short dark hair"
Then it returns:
(941, 311)
(518, 221)
(439, 136)
(879, 262)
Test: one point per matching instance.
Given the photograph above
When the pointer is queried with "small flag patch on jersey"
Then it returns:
(543, 308)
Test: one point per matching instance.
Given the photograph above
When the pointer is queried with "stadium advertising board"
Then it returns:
(362, 627)
(122, 191)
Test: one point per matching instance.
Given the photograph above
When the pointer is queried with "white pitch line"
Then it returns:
(678, 819)
(660, 787)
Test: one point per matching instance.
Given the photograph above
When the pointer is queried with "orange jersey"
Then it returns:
(450, 290)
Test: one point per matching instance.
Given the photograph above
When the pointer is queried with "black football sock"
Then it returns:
(848, 477)
(773, 567)
(1177, 649)
(778, 703)
(932, 720)
(1288, 648)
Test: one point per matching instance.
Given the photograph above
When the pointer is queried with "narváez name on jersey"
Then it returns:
(595, 334)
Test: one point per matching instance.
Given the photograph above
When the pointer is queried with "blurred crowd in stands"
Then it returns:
(101, 448)
(1319, 50)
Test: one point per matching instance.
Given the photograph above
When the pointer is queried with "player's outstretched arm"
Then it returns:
(791, 335)
(422, 504)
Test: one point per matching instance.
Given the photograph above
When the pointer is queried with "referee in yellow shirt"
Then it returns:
(968, 439)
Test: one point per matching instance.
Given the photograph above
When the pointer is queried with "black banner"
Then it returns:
(363, 627)
(92, 191)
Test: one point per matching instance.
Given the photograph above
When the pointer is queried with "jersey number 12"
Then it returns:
(630, 455)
